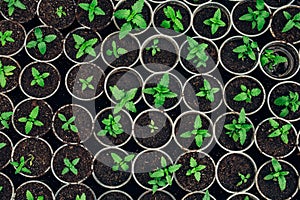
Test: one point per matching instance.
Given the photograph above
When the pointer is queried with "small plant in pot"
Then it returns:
(244, 92)
(6, 187)
(239, 55)
(279, 175)
(276, 137)
(198, 55)
(6, 111)
(28, 191)
(111, 168)
(9, 73)
(199, 195)
(115, 194)
(251, 18)
(6, 147)
(211, 20)
(161, 194)
(196, 173)
(76, 191)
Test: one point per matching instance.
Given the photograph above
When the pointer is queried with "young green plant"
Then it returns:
(133, 17)
(116, 51)
(13, 4)
(31, 120)
(247, 49)
(121, 162)
(163, 176)
(112, 126)
(1, 187)
(6, 37)
(271, 59)
(256, 17)
(161, 92)
(174, 19)
(290, 103)
(70, 166)
(207, 91)
(238, 129)
(244, 179)
(197, 53)
(154, 47)
(124, 98)
(196, 169)
(215, 22)
(4, 119)
(41, 41)
(92, 8)
(152, 126)
(68, 123)
(20, 166)
(2, 145)
(277, 175)
(292, 21)
(81, 197)
(60, 12)
(247, 94)
(197, 132)
(38, 78)
(86, 83)
(84, 47)
(206, 195)
(29, 196)
(5, 71)
(277, 131)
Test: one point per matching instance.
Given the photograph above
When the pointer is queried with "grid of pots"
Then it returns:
(226, 126)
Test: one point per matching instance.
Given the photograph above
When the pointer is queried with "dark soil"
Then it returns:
(283, 90)
(277, 3)
(7, 190)
(44, 115)
(47, 13)
(207, 12)
(245, 26)
(83, 122)
(189, 182)
(100, 21)
(103, 168)
(5, 106)
(53, 49)
(159, 17)
(197, 2)
(163, 60)
(211, 52)
(5, 152)
(41, 153)
(51, 82)
(231, 61)
(115, 195)
(229, 169)
(72, 152)
(21, 15)
(174, 86)
(278, 23)
(11, 81)
(234, 88)
(274, 146)
(201, 103)
(129, 43)
(271, 188)
(70, 192)
(70, 43)
(160, 136)
(227, 141)
(36, 188)
(108, 139)
(18, 34)
(157, 196)
(186, 123)
(84, 71)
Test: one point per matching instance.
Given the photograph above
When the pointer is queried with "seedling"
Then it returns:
(125, 99)
(154, 47)
(239, 128)
(92, 8)
(246, 198)
(199, 133)
(247, 94)
(13, 4)
(116, 51)
(31, 120)
(207, 92)
(206, 196)
(70, 166)
(290, 102)
(68, 125)
(280, 131)
(4, 118)
(271, 59)
(41, 41)
(152, 126)
(277, 175)
(244, 179)
(84, 47)
(257, 17)
(292, 21)
(2, 145)
(121, 163)
(38, 78)
(5, 71)
(134, 18)
(112, 126)
(161, 92)
(163, 176)
(82, 197)
(20, 166)
(86, 83)
(60, 12)
(175, 18)
(29, 196)
(247, 49)
(1, 187)
(196, 169)
(215, 22)
(197, 52)
(6, 37)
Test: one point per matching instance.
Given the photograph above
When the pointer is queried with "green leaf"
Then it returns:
(140, 21)
(241, 97)
(288, 26)
(31, 44)
(174, 168)
(99, 11)
(50, 38)
(246, 17)
(199, 140)
(138, 6)
(165, 80)
(166, 24)
(20, 5)
(125, 30)
(78, 39)
(163, 162)
(198, 122)
(2, 145)
(34, 113)
(197, 176)
(206, 196)
(28, 127)
(84, 6)
(242, 117)
(282, 183)
(240, 49)
(117, 93)
(42, 47)
(122, 14)
(276, 165)
(65, 171)
(29, 195)
(75, 161)
(255, 92)
(38, 33)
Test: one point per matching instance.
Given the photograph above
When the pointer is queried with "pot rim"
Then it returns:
(243, 193)
(197, 192)
(163, 191)
(118, 191)
(39, 182)
(11, 146)
(11, 184)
